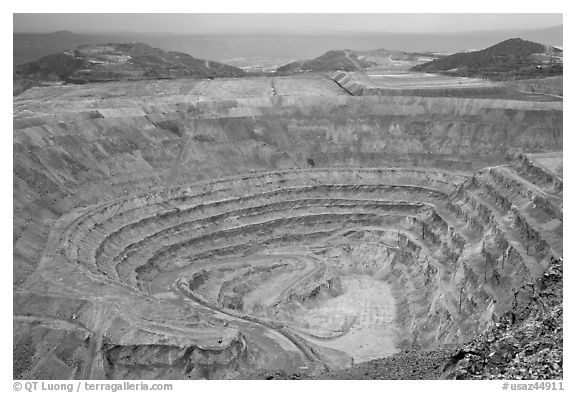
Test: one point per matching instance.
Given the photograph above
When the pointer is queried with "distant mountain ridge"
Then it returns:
(285, 48)
(514, 58)
(117, 61)
(354, 60)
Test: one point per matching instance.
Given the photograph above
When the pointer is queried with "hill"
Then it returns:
(113, 62)
(511, 59)
(333, 60)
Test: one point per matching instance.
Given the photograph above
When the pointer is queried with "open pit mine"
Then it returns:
(261, 226)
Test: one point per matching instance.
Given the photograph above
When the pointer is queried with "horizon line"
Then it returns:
(288, 33)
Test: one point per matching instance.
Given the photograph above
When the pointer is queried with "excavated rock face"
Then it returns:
(206, 229)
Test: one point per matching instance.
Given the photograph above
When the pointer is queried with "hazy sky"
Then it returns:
(280, 23)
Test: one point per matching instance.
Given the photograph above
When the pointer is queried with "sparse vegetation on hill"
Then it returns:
(511, 59)
(112, 62)
(330, 61)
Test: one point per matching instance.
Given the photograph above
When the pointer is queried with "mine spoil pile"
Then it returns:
(280, 227)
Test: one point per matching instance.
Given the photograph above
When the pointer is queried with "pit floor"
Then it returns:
(367, 308)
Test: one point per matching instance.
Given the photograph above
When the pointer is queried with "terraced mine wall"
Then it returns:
(165, 237)
(62, 160)
(552, 85)
(359, 87)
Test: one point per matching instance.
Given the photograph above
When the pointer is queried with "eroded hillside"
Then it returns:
(507, 60)
(115, 62)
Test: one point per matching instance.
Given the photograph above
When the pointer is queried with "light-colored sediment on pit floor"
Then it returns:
(365, 312)
(552, 162)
